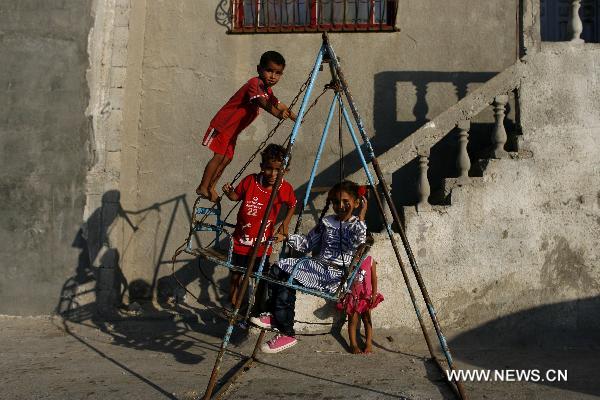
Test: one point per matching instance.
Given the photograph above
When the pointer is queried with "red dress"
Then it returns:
(359, 298)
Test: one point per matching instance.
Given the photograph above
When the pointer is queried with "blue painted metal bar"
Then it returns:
(319, 151)
(257, 276)
(325, 295)
(207, 211)
(309, 89)
(388, 227)
(359, 122)
(336, 66)
(269, 245)
(356, 144)
(207, 227)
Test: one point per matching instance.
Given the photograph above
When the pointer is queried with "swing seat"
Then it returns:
(219, 256)
(223, 257)
(219, 223)
(209, 252)
(348, 276)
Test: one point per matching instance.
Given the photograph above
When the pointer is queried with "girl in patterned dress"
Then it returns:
(336, 237)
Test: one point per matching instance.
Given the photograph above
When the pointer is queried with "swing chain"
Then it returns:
(263, 144)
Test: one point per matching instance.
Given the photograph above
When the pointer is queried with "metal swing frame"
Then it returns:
(326, 54)
(225, 259)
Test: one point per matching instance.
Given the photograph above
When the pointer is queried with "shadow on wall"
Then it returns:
(558, 336)
(98, 284)
(96, 292)
(403, 102)
(97, 289)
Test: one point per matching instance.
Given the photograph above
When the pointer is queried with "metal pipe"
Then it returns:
(356, 144)
(263, 226)
(421, 284)
(395, 215)
(316, 163)
(309, 89)
(389, 230)
(243, 368)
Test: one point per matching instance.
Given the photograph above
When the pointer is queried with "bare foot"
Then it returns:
(368, 350)
(355, 350)
(211, 194)
(214, 196)
(202, 192)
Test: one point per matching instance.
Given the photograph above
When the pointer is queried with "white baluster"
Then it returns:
(499, 133)
(575, 27)
(423, 189)
(463, 162)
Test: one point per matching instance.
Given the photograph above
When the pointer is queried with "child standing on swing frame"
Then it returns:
(237, 114)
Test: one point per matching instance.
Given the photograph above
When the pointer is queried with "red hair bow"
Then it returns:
(362, 191)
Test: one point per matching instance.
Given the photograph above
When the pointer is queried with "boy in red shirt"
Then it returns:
(254, 191)
(239, 112)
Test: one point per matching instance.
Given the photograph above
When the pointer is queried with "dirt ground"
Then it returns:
(158, 358)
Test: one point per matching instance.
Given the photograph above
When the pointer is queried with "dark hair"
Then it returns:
(345, 186)
(274, 152)
(273, 56)
(370, 239)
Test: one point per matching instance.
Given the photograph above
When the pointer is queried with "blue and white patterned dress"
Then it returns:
(315, 272)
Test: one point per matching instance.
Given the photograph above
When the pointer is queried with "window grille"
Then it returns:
(266, 16)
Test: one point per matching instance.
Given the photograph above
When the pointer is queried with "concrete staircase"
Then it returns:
(511, 237)
(525, 233)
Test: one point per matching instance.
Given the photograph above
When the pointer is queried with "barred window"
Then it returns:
(265, 16)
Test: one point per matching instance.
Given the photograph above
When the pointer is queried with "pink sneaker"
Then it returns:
(264, 320)
(278, 343)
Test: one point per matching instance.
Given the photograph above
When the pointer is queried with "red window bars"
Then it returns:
(265, 16)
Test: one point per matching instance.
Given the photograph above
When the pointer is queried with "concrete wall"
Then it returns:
(191, 67)
(121, 159)
(515, 257)
(45, 148)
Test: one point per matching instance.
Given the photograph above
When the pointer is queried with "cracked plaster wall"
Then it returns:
(44, 144)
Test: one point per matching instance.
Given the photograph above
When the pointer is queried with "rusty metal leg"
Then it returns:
(258, 342)
(340, 77)
(457, 388)
(417, 273)
(263, 227)
(241, 370)
(215, 372)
